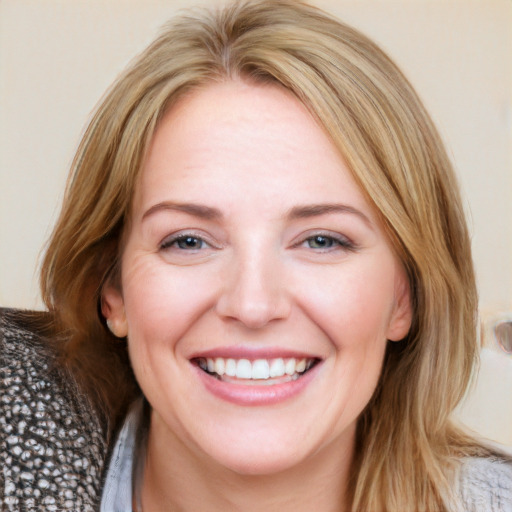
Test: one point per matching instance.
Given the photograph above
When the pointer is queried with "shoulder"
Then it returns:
(486, 484)
(52, 445)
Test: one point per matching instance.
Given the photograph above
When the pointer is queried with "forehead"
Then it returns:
(240, 136)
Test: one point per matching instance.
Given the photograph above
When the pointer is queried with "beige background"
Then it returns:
(58, 56)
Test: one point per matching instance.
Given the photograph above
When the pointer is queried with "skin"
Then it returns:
(254, 277)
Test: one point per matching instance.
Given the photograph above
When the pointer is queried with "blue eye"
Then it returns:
(184, 242)
(189, 242)
(321, 242)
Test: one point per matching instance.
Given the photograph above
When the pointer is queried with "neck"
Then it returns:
(177, 479)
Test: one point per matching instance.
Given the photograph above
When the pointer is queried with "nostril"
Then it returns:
(254, 315)
(254, 310)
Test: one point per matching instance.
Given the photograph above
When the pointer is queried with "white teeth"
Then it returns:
(219, 366)
(260, 369)
(277, 368)
(289, 367)
(300, 366)
(244, 369)
(230, 367)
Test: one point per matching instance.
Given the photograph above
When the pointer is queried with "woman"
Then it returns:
(262, 236)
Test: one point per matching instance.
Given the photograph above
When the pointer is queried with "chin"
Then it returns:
(258, 465)
(259, 452)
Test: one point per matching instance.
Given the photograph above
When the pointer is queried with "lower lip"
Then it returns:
(247, 394)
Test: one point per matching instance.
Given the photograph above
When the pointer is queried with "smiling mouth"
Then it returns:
(263, 372)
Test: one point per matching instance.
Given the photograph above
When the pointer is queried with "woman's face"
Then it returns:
(258, 287)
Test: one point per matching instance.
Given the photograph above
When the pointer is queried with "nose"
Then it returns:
(254, 292)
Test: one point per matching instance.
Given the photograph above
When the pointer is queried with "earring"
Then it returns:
(111, 328)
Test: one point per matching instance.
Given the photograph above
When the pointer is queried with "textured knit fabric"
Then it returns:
(52, 447)
(53, 453)
(486, 485)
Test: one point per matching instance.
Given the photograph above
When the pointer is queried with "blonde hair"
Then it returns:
(407, 444)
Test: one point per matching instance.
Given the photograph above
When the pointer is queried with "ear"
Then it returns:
(112, 308)
(401, 317)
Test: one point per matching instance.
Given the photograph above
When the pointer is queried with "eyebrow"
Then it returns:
(315, 210)
(197, 210)
(297, 212)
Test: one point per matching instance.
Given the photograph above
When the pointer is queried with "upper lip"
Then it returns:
(252, 353)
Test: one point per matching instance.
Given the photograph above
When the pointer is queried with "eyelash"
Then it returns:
(334, 242)
(175, 240)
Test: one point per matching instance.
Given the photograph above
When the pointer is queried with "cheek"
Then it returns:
(354, 306)
(162, 302)
(354, 311)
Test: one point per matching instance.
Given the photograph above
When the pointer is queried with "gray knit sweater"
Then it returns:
(486, 485)
(53, 453)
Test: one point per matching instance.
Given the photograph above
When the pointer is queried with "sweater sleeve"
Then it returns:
(486, 485)
(51, 445)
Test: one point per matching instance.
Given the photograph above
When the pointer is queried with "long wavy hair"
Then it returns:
(407, 446)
